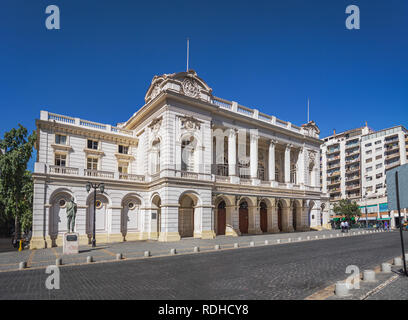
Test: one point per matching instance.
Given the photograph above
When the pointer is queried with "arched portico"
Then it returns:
(57, 219)
(156, 213)
(285, 218)
(189, 215)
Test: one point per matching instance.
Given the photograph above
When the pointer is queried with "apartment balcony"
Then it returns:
(334, 174)
(391, 147)
(353, 153)
(332, 151)
(391, 140)
(333, 183)
(334, 165)
(353, 169)
(334, 190)
(352, 178)
(352, 145)
(392, 165)
(352, 187)
(353, 195)
(353, 160)
(392, 155)
(330, 159)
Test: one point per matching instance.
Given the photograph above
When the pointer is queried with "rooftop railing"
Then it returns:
(48, 116)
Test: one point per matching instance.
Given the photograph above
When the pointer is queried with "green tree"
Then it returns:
(15, 181)
(348, 209)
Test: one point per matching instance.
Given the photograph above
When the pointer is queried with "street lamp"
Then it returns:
(101, 187)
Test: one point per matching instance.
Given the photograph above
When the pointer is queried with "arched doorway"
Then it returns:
(243, 217)
(280, 216)
(186, 217)
(263, 212)
(221, 218)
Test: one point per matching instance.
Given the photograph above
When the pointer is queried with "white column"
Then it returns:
(287, 163)
(254, 154)
(301, 167)
(271, 161)
(232, 152)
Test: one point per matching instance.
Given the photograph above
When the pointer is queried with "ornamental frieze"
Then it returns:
(190, 123)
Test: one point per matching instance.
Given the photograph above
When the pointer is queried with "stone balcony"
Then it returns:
(166, 173)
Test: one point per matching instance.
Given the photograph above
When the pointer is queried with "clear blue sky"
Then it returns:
(270, 55)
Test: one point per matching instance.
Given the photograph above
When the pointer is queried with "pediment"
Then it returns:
(186, 83)
(311, 129)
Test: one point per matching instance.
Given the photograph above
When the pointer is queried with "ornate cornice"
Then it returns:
(86, 132)
(189, 122)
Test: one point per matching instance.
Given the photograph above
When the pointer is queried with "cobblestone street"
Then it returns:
(286, 271)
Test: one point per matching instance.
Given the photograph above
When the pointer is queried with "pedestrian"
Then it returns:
(346, 226)
(342, 226)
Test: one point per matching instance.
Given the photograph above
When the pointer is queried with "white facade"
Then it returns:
(187, 164)
(340, 164)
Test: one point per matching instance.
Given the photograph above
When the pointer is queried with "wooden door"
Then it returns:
(243, 220)
(221, 221)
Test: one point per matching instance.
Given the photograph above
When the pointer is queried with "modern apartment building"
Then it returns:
(340, 164)
(380, 152)
(354, 165)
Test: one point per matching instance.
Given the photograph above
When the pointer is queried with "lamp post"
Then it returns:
(95, 186)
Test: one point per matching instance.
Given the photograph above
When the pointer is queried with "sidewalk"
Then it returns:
(132, 250)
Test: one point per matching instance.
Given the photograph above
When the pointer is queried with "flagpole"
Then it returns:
(188, 51)
(307, 110)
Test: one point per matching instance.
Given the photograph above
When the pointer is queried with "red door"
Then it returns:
(221, 221)
(243, 217)
(264, 219)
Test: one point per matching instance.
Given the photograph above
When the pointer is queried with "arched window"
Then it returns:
(188, 154)
(155, 156)
(293, 178)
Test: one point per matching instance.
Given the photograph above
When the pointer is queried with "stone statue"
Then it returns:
(71, 214)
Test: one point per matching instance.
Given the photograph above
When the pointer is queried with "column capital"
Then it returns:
(272, 142)
(232, 132)
(288, 146)
(254, 136)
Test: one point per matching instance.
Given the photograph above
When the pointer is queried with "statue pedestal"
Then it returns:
(71, 243)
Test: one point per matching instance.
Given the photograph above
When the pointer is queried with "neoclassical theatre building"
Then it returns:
(186, 164)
